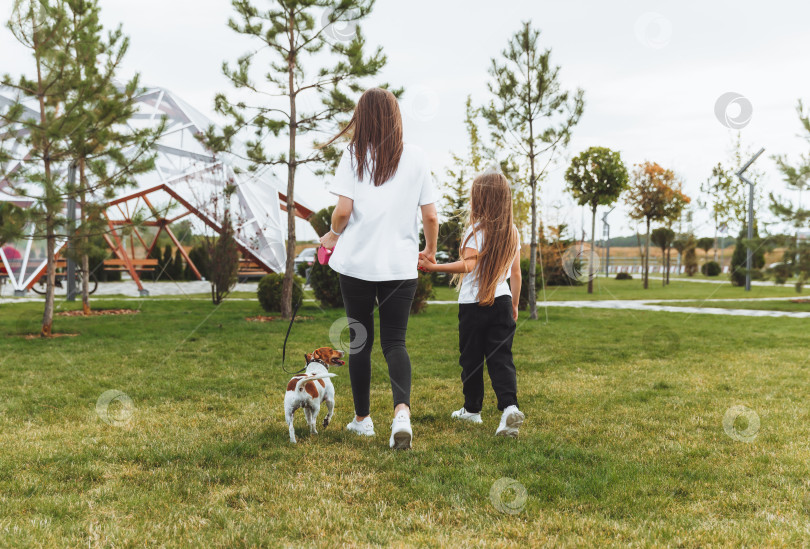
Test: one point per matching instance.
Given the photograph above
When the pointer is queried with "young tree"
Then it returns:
(596, 177)
(457, 191)
(653, 195)
(690, 261)
(706, 244)
(726, 201)
(223, 250)
(663, 238)
(289, 31)
(531, 117)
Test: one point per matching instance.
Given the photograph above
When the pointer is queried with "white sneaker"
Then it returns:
(401, 433)
(364, 428)
(467, 416)
(511, 420)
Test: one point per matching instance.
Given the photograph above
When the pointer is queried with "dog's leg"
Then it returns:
(330, 409)
(288, 414)
(316, 407)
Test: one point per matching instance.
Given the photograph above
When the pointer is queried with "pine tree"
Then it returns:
(289, 31)
(532, 118)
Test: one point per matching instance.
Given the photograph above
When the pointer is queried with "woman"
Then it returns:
(381, 184)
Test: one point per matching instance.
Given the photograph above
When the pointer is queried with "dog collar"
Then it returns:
(319, 361)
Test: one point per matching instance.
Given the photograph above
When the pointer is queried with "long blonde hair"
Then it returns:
(491, 215)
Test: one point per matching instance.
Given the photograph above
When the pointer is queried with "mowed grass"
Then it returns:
(623, 444)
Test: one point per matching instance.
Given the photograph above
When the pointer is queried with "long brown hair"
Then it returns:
(491, 215)
(376, 135)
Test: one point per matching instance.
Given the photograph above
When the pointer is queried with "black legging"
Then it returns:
(394, 298)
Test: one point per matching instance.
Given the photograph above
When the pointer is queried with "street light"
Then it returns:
(749, 254)
(606, 235)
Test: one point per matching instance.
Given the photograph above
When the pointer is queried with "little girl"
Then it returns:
(487, 310)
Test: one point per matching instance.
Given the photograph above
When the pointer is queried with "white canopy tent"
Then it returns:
(188, 179)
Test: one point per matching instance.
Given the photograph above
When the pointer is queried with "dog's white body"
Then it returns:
(301, 396)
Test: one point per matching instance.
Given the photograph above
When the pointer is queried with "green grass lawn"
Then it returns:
(624, 442)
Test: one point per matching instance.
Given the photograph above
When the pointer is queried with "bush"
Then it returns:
(424, 292)
(201, 258)
(624, 276)
(781, 272)
(325, 285)
(269, 292)
(712, 268)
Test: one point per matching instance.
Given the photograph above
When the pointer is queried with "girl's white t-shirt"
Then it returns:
(468, 293)
(381, 240)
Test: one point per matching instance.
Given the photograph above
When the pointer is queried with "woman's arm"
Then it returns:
(464, 265)
(514, 284)
(340, 218)
(430, 224)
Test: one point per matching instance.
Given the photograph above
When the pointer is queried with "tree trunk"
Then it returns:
(47, 315)
(532, 294)
(647, 257)
(289, 271)
(590, 261)
(85, 269)
(669, 256)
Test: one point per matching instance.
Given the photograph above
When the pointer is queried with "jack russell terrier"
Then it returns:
(311, 388)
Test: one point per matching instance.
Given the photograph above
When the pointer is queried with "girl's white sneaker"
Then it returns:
(364, 428)
(511, 420)
(401, 432)
(467, 416)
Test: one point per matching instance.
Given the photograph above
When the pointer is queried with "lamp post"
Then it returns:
(606, 235)
(749, 254)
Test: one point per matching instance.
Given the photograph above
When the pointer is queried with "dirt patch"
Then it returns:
(274, 318)
(37, 336)
(100, 312)
(800, 300)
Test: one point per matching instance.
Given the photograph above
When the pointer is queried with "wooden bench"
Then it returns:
(139, 264)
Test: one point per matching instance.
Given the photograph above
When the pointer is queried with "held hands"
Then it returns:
(329, 240)
(427, 261)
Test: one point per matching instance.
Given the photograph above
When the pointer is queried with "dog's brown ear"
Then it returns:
(308, 358)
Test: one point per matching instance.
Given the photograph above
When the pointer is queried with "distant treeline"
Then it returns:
(628, 241)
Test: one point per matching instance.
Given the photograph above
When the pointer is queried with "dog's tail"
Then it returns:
(303, 380)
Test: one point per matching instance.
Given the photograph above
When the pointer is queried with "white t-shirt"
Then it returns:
(468, 293)
(381, 241)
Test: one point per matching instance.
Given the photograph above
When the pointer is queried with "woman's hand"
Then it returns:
(515, 311)
(430, 255)
(329, 240)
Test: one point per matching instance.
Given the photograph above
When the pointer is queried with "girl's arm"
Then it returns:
(340, 218)
(464, 265)
(514, 284)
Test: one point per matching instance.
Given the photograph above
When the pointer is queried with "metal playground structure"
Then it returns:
(188, 181)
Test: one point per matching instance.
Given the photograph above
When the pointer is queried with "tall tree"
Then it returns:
(107, 153)
(299, 36)
(596, 177)
(653, 195)
(531, 117)
(663, 237)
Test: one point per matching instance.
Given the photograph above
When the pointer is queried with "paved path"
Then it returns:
(181, 291)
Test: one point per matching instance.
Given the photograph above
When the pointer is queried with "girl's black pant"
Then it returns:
(393, 300)
(485, 335)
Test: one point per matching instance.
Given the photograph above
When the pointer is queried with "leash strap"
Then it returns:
(289, 328)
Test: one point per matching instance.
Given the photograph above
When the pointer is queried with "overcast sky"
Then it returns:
(652, 72)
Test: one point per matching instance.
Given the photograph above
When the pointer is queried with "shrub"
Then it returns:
(325, 285)
(201, 259)
(781, 272)
(690, 261)
(269, 291)
(624, 276)
(712, 268)
(424, 292)
(738, 259)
